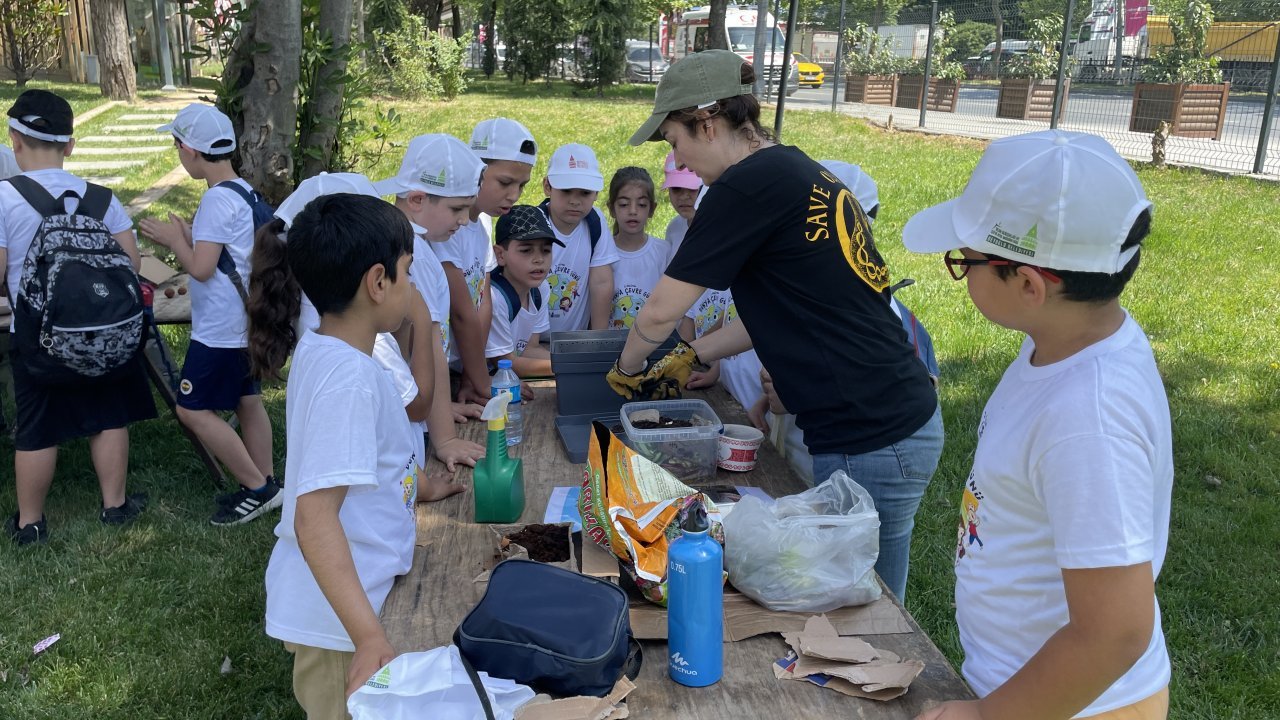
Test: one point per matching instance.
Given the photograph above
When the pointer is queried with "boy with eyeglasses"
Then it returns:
(1064, 518)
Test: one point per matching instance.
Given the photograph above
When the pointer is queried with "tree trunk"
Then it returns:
(326, 97)
(877, 16)
(999, 51)
(116, 75)
(434, 10)
(457, 19)
(490, 53)
(357, 9)
(268, 80)
(717, 36)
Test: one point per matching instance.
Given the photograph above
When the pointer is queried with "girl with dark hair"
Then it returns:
(641, 256)
(795, 247)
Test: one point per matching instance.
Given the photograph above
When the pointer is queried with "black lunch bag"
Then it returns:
(555, 630)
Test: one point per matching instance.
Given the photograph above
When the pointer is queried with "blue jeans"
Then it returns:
(896, 477)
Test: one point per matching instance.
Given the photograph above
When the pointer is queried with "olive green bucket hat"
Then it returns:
(697, 79)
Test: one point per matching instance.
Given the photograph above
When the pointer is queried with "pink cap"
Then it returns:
(678, 177)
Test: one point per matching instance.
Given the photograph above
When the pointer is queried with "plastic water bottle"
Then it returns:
(695, 604)
(506, 379)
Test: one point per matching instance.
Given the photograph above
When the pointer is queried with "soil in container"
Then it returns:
(545, 543)
(663, 422)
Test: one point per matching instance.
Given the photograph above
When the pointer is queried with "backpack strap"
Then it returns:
(500, 281)
(474, 677)
(226, 263)
(94, 204)
(535, 297)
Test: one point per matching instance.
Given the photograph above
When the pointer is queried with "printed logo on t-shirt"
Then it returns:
(970, 502)
(707, 313)
(833, 212)
(409, 485)
(731, 313)
(444, 336)
(185, 387)
(626, 305)
(564, 283)
(475, 275)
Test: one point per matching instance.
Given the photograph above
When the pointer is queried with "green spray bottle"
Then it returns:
(498, 479)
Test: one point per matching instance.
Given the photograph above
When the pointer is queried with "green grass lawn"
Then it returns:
(148, 613)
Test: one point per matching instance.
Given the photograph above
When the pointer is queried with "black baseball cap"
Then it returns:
(42, 115)
(524, 222)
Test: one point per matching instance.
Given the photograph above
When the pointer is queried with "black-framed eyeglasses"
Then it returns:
(958, 265)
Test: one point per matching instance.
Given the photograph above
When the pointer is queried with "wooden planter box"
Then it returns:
(871, 89)
(943, 94)
(1027, 99)
(1194, 111)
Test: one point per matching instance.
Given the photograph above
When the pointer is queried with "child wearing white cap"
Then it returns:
(581, 278)
(216, 375)
(509, 152)
(435, 188)
(1064, 518)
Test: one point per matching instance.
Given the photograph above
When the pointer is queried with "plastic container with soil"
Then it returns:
(684, 440)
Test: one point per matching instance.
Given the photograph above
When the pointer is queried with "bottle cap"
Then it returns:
(504, 364)
(695, 521)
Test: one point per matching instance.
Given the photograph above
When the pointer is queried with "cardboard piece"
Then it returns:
(847, 665)
(583, 707)
(155, 271)
(598, 562)
(743, 618)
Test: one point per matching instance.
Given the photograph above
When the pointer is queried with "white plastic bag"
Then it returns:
(433, 684)
(811, 552)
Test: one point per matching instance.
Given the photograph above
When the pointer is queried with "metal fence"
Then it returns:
(1104, 83)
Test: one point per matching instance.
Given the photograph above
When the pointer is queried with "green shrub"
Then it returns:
(414, 64)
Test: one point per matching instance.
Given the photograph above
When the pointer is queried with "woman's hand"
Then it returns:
(770, 394)
(757, 415)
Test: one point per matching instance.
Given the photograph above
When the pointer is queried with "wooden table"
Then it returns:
(428, 603)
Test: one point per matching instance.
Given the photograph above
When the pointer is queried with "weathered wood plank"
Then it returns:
(427, 604)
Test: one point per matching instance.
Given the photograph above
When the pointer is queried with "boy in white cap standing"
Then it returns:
(49, 414)
(509, 152)
(581, 278)
(1064, 518)
(216, 376)
(435, 189)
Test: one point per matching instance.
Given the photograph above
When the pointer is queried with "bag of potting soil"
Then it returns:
(633, 507)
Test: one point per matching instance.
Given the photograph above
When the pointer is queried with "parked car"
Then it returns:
(982, 65)
(811, 73)
(645, 63)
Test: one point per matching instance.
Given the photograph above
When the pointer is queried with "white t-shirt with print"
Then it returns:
(1073, 470)
(8, 163)
(471, 251)
(428, 277)
(676, 230)
(634, 277)
(218, 317)
(19, 221)
(707, 311)
(568, 306)
(740, 374)
(345, 426)
(387, 351)
(506, 335)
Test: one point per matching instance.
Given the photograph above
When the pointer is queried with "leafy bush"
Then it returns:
(870, 53)
(414, 64)
(1184, 60)
(970, 38)
(942, 67)
(29, 35)
(1040, 61)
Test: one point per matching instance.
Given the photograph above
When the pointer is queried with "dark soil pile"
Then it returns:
(663, 422)
(545, 543)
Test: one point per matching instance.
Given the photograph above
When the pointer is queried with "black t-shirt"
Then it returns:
(792, 243)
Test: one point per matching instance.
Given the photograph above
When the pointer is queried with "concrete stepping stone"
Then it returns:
(73, 166)
(154, 137)
(160, 118)
(151, 150)
(136, 128)
(107, 180)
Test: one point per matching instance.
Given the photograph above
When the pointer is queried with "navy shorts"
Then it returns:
(215, 378)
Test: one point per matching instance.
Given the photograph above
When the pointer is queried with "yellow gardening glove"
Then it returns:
(666, 378)
(627, 385)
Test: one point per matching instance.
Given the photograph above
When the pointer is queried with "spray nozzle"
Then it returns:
(496, 408)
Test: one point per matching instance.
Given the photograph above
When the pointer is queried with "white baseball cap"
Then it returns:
(859, 183)
(574, 167)
(204, 128)
(504, 139)
(1055, 199)
(323, 184)
(437, 164)
(678, 177)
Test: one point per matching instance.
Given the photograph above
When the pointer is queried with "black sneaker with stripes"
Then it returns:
(244, 504)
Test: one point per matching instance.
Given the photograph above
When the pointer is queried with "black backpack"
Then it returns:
(78, 310)
(262, 214)
(594, 228)
(500, 281)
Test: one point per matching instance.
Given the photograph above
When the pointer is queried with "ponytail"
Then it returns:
(275, 300)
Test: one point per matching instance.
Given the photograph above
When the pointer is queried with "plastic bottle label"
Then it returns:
(513, 389)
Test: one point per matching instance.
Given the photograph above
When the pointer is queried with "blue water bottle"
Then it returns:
(506, 379)
(695, 604)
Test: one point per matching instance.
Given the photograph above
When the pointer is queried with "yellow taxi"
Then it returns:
(811, 74)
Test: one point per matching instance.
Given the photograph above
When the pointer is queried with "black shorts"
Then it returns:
(49, 415)
(215, 378)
